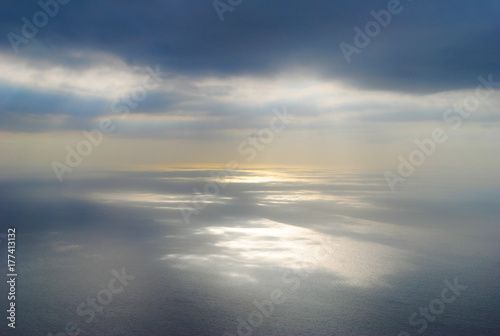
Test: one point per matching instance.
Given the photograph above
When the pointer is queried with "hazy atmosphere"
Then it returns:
(237, 167)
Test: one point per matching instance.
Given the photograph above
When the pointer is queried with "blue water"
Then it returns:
(345, 255)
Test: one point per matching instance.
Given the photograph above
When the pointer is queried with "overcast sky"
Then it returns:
(226, 77)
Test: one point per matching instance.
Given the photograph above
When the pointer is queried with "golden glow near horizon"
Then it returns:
(191, 120)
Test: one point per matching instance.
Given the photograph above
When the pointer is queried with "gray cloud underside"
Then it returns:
(427, 47)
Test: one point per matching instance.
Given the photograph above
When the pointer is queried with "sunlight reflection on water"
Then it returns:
(267, 244)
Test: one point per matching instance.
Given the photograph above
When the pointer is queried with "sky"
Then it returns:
(358, 100)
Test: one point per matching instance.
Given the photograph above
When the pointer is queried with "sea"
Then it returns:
(257, 251)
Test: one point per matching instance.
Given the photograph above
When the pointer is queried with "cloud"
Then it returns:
(226, 78)
(421, 50)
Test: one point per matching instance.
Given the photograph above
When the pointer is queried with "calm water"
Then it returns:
(337, 253)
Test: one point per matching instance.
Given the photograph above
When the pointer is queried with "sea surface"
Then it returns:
(252, 252)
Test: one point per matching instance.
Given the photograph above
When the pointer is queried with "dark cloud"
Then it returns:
(427, 47)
